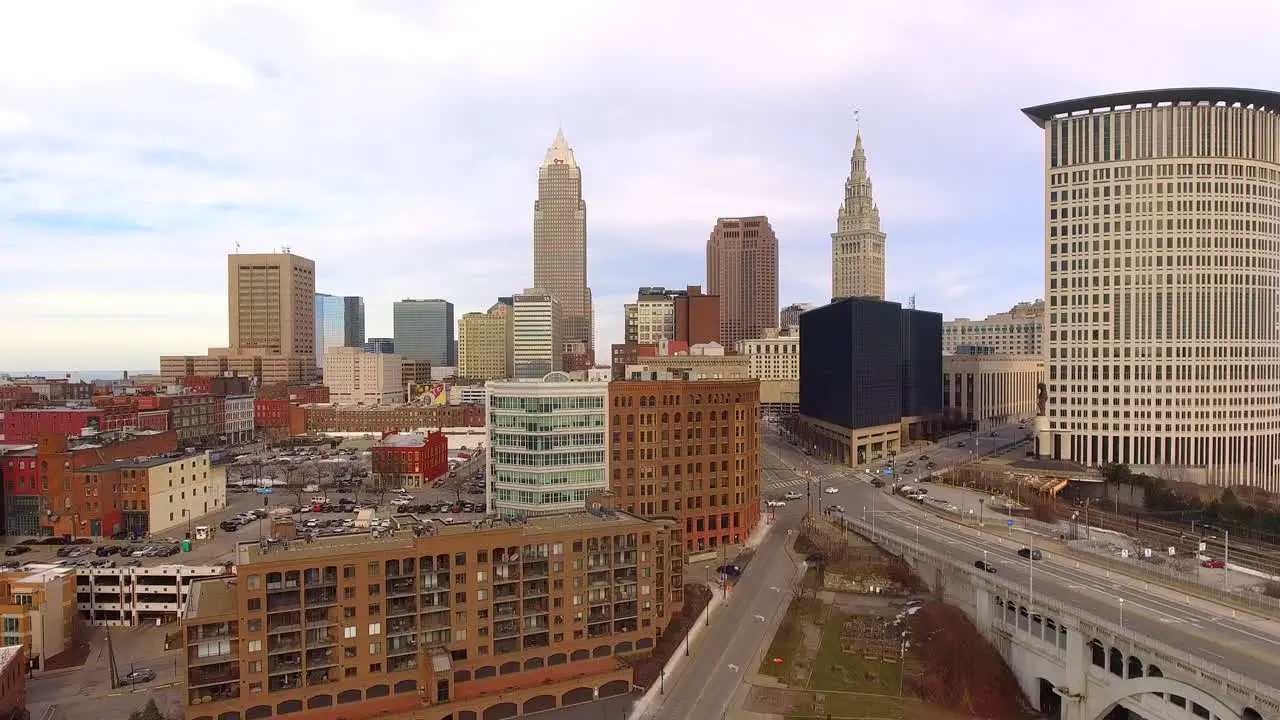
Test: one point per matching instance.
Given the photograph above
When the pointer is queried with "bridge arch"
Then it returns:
(1119, 690)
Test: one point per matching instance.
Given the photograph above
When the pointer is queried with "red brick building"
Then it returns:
(13, 681)
(46, 497)
(271, 413)
(688, 448)
(26, 425)
(393, 418)
(19, 394)
(697, 317)
(411, 459)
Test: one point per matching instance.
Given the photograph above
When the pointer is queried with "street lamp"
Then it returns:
(1121, 614)
(1226, 552)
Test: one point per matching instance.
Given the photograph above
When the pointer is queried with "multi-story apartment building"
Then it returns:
(547, 445)
(128, 596)
(339, 323)
(272, 315)
(857, 245)
(44, 496)
(536, 339)
(38, 612)
(742, 269)
(688, 449)
(410, 460)
(774, 360)
(1019, 331)
(424, 331)
(159, 493)
(356, 377)
(469, 621)
(484, 343)
(1160, 237)
(981, 390)
(652, 317)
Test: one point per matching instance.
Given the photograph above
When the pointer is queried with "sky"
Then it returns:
(397, 144)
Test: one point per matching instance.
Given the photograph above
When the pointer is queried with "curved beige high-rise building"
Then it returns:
(1162, 274)
(560, 244)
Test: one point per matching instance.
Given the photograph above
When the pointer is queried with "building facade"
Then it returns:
(356, 377)
(424, 331)
(272, 313)
(26, 425)
(13, 682)
(688, 449)
(484, 343)
(1019, 331)
(697, 317)
(536, 334)
(460, 621)
(380, 345)
(560, 245)
(388, 418)
(870, 378)
(238, 413)
(410, 460)
(789, 316)
(652, 317)
(38, 612)
(546, 441)
(131, 596)
(1162, 203)
(742, 270)
(986, 391)
(194, 416)
(159, 493)
(700, 362)
(857, 245)
(339, 323)
(774, 360)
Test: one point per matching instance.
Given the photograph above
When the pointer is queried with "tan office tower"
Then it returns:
(560, 243)
(857, 245)
(742, 268)
(1161, 246)
(484, 343)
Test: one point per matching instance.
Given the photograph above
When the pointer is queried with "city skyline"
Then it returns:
(191, 178)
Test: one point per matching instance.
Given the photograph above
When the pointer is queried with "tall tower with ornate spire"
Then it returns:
(560, 247)
(857, 245)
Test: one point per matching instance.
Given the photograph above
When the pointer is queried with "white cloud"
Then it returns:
(396, 143)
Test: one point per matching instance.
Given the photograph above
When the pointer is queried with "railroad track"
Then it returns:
(1162, 534)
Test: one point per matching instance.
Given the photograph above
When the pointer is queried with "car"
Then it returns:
(815, 557)
(924, 457)
(1214, 563)
(793, 495)
(730, 570)
(138, 676)
(1029, 553)
(908, 471)
(133, 563)
(877, 483)
(17, 550)
(835, 508)
(911, 463)
(960, 444)
(229, 525)
(831, 490)
(984, 565)
(931, 465)
(775, 503)
(994, 434)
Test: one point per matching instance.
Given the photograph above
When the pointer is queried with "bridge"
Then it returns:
(1079, 666)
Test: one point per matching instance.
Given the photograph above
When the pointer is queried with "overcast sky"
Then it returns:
(397, 144)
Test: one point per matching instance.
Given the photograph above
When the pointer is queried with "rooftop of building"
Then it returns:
(57, 409)
(36, 574)
(213, 597)
(23, 449)
(142, 463)
(404, 440)
(8, 654)
(1246, 97)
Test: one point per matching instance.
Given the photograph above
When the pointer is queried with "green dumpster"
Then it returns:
(186, 546)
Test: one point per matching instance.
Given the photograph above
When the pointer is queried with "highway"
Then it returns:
(1244, 645)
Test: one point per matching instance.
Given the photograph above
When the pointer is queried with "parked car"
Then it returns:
(17, 550)
(1210, 563)
(1029, 553)
(793, 495)
(729, 570)
(831, 490)
(137, 676)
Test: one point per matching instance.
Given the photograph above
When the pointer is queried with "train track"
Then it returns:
(1161, 534)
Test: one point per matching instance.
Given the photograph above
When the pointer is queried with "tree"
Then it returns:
(455, 482)
(298, 477)
(253, 469)
(149, 712)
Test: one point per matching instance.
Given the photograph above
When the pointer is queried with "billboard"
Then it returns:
(431, 395)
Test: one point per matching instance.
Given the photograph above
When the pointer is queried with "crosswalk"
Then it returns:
(823, 479)
(795, 482)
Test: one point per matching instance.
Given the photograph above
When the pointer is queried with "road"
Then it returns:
(725, 652)
(1245, 645)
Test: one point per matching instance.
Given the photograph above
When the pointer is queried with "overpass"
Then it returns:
(1070, 659)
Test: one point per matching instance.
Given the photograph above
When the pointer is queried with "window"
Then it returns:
(348, 593)
(375, 569)
(348, 571)
(481, 576)
(255, 625)
(460, 634)
(349, 651)
(254, 582)
(348, 632)
(375, 609)
(255, 666)
(12, 625)
(375, 628)
(255, 604)
(375, 667)
(255, 646)
(482, 595)
(255, 687)
(375, 648)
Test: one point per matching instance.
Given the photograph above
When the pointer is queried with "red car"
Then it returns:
(1214, 564)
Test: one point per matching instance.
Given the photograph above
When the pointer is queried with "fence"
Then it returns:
(903, 547)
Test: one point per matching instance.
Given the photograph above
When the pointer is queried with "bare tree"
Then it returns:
(455, 482)
(298, 478)
(252, 468)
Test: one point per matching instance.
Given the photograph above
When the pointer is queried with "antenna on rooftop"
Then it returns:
(911, 301)
(237, 247)
(285, 249)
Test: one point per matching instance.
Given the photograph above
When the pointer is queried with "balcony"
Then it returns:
(435, 583)
(401, 646)
(291, 681)
(400, 587)
(321, 658)
(597, 562)
(506, 645)
(598, 579)
(624, 626)
(316, 578)
(626, 592)
(225, 673)
(320, 617)
(597, 631)
(505, 592)
(195, 658)
(284, 622)
(321, 638)
(622, 559)
(432, 638)
(536, 623)
(624, 610)
(291, 662)
(401, 626)
(207, 695)
(317, 597)
(404, 663)
(534, 588)
(506, 629)
(538, 569)
(506, 572)
(289, 584)
(290, 642)
(395, 569)
(598, 545)
(540, 640)
(624, 576)
(506, 610)
(283, 602)
(322, 677)
(535, 606)
(599, 616)
(402, 606)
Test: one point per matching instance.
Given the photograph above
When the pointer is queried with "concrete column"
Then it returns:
(984, 610)
(1075, 692)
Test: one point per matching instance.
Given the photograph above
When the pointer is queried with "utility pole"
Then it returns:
(111, 661)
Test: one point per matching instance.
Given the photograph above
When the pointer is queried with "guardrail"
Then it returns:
(902, 546)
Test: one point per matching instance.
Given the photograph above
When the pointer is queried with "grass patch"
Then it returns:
(837, 670)
(789, 638)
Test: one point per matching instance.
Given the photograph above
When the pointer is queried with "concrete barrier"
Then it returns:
(673, 664)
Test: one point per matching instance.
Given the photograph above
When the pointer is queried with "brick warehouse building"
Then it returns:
(42, 496)
(462, 622)
(392, 418)
(688, 448)
(411, 460)
(26, 425)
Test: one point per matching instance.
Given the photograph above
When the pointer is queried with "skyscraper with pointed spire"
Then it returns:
(857, 245)
(560, 245)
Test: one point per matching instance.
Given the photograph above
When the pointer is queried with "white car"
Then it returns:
(831, 490)
(793, 495)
